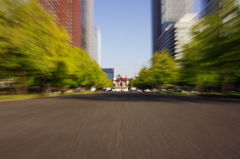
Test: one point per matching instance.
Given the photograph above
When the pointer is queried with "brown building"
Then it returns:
(69, 15)
(120, 84)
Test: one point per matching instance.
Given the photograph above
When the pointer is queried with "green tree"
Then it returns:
(143, 80)
(29, 46)
(164, 70)
(214, 50)
(35, 50)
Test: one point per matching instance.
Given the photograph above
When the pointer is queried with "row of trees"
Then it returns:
(211, 59)
(162, 73)
(36, 51)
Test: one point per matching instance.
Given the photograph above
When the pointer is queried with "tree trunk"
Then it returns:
(227, 86)
(24, 82)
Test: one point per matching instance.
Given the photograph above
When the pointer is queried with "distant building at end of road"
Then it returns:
(120, 81)
(109, 72)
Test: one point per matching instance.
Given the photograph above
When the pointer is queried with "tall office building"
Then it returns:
(173, 10)
(182, 30)
(97, 45)
(69, 15)
(156, 23)
(165, 14)
(88, 26)
(109, 72)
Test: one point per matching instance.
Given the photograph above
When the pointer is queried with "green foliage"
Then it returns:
(213, 56)
(162, 73)
(164, 70)
(207, 79)
(35, 49)
(143, 80)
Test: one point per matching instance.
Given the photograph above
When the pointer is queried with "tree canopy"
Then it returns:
(163, 72)
(212, 58)
(35, 50)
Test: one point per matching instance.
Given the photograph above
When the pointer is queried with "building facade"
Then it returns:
(166, 40)
(120, 84)
(182, 33)
(173, 10)
(97, 45)
(156, 23)
(69, 15)
(165, 14)
(120, 81)
(109, 72)
(88, 26)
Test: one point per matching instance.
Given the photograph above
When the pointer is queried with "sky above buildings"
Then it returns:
(126, 34)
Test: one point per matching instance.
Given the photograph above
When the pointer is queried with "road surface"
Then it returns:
(120, 126)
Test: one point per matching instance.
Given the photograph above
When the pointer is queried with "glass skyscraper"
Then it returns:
(97, 45)
(156, 22)
(173, 10)
(88, 26)
(165, 13)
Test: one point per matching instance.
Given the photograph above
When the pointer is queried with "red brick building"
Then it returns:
(69, 15)
(120, 82)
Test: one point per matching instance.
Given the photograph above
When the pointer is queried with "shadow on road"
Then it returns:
(151, 97)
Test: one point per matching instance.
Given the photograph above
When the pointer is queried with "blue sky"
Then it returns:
(126, 33)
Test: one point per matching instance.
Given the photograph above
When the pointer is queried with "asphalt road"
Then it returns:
(120, 126)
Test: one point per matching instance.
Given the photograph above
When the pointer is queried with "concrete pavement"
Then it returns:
(120, 126)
